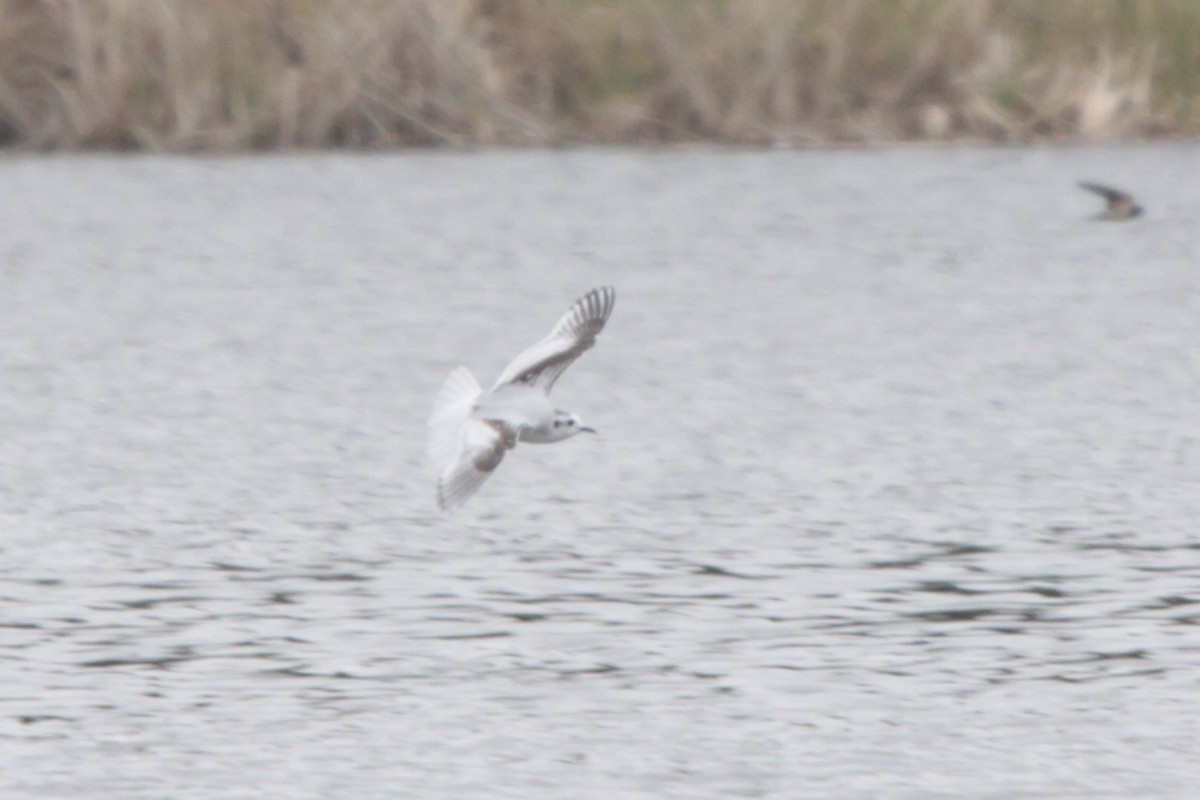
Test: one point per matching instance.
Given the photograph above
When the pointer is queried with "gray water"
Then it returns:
(895, 496)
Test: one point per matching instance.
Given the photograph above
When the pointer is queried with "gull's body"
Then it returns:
(1119, 205)
(470, 431)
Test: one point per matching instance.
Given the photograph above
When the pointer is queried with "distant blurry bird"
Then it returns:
(1120, 204)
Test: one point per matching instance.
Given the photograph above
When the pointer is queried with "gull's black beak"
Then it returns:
(587, 430)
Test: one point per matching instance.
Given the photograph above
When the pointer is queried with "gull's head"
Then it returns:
(566, 425)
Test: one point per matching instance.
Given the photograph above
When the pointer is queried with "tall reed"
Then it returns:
(231, 74)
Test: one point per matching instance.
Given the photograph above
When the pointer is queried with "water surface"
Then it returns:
(895, 494)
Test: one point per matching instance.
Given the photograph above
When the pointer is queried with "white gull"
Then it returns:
(469, 431)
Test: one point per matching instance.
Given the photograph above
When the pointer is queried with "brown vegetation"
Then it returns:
(231, 74)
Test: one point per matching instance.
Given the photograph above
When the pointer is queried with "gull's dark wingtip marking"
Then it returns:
(597, 305)
(593, 309)
(591, 314)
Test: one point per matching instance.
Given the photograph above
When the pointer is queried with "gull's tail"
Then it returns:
(451, 409)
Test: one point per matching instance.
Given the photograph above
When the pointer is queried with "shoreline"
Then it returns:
(14, 153)
(266, 75)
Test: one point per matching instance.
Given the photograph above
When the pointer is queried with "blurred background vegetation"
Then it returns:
(181, 75)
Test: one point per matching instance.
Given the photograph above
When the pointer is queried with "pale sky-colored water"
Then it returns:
(895, 494)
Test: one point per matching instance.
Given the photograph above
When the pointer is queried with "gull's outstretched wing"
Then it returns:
(1107, 192)
(482, 446)
(541, 364)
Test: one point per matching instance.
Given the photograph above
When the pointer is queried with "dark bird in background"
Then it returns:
(1120, 204)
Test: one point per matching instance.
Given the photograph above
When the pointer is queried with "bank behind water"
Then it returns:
(263, 74)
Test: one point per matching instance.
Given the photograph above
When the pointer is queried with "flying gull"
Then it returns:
(469, 431)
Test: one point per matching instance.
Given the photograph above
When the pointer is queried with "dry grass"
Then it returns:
(231, 74)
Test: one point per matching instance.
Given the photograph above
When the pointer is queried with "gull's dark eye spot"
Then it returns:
(558, 423)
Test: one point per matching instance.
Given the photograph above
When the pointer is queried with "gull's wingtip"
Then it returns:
(457, 485)
(599, 302)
